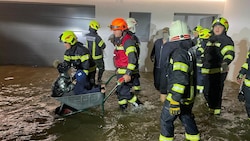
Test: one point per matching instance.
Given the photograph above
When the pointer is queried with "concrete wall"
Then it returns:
(162, 13)
(237, 13)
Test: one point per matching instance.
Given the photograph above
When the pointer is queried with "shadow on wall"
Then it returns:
(14, 52)
(149, 65)
(241, 49)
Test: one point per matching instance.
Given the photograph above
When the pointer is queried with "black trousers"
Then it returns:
(246, 91)
(214, 84)
(186, 117)
(157, 77)
(101, 68)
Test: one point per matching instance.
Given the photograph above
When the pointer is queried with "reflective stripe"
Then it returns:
(84, 57)
(192, 137)
(163, 138)
(200, 87)
(201, 49)
(92, 69)
(230, 57)
(95, 57)
(131, 66)
(121, 71)
(100, 43)
(119, 48)
(213, 44)
(130, 49)
(121, 102)
(180, 66)
(137, 88)
(86, 71)
(66, 58)
(247, 82)
(171, 100)
(215, 111)
(217, 44)
(133, 99)
(210, 71)
(171, 61)
(178, 88)
(199, 64)
(245, 66)
(226, 49)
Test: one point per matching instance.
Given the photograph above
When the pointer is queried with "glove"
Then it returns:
(241, 96)
(224, 67)
(239, 78)
(174, 108)
(120, 81)
(126, 77)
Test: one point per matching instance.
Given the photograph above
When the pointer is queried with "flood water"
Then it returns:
(27, 112)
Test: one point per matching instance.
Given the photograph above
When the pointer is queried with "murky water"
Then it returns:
(26, 113)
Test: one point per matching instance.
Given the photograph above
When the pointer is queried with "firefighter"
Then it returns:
(244, 95)
(131, 22)
(196, 32)
(181, 85)
(157, 56)
(77, 55)
(204, 34)
(125, 61)
(218, 54)
(96, 46)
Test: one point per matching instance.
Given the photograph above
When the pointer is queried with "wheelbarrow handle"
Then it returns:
(119, 82)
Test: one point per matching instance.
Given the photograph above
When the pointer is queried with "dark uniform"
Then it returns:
(246, 84)
(78, 56)
(218, 54)
(156, 56)
(96, 46)
(181, 89)
(125, 60)
(136, 73)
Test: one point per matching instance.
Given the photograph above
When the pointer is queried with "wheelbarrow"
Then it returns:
(82, 102)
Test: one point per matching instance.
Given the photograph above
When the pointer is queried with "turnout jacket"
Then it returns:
(219, 49)
(95, 44)
(78, 56)
(180, 72)
(245, 70)
(125, 54)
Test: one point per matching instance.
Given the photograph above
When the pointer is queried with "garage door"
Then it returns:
(29, 31)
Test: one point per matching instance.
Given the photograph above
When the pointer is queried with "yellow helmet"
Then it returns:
(198, 28)
(221, 21)
(94, 25)
(68, 37)
(204, 33)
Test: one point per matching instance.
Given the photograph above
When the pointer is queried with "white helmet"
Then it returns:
(131, 22)
(178, 31)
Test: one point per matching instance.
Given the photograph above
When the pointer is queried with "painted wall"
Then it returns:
(237, 13)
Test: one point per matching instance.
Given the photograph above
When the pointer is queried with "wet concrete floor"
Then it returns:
(27, 112)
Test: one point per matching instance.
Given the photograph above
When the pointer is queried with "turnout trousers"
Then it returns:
(214, 84)
(187, 119)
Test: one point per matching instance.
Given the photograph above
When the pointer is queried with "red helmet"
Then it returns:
(118, 24)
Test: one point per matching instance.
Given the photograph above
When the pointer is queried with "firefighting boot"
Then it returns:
(137, 103)
(123, 107)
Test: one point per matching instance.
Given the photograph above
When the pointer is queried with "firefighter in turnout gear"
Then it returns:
(77, 55)
(158, 55)
(204, 34)
(125, 61)
(218, 54)
(181, 85)
(96, 46)
(131, 22)
(244, 94)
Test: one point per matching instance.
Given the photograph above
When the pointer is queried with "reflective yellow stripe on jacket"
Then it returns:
(210, 71)
(247, 82)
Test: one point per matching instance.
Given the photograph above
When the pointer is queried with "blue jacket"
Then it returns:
(83, 85)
